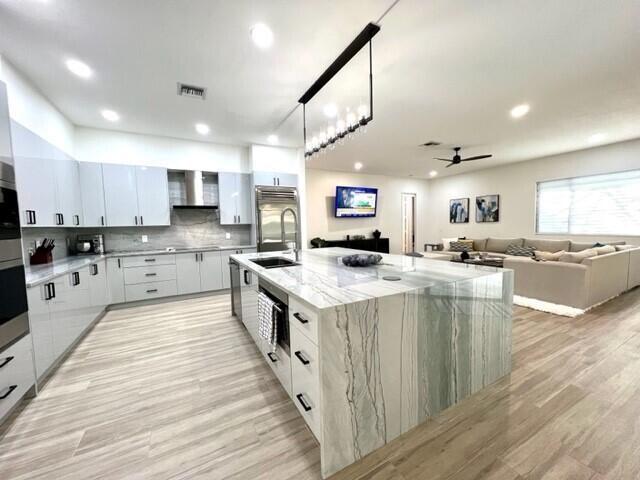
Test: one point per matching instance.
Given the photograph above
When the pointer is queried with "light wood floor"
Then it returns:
(178, 391)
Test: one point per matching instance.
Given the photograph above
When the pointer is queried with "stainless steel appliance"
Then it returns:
(281, 312)
(236, 289)
(277, 211)
(90, 244)
(14, 320)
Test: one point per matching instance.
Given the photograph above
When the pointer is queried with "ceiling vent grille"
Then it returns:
(191, 91)
(431, 143)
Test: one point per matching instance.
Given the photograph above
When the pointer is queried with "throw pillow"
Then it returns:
(548, 256)
(446, 242)
(459, 247)
(578, 257)
(518, 251)
(604, 249)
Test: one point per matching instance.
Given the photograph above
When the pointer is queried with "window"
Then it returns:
(606, 204)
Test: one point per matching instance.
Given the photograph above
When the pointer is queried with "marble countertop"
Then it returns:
(323, 281)
(39, 274)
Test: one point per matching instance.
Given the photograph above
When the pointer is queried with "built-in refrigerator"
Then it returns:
(271, 202)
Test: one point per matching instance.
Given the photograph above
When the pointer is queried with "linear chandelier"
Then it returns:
(352, 121)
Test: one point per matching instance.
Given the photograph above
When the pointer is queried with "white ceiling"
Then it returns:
(443, 70)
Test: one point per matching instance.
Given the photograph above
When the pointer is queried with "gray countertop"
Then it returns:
(39, 274)
(323, 281)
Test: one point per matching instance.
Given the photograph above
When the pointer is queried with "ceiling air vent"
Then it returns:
(431, 143)
(192, 91)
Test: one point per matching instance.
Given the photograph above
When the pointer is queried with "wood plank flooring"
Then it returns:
(178, 391)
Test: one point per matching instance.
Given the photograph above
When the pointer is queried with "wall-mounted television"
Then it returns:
(356, 202)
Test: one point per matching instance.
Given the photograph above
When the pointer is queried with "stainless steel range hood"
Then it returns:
(194, 189)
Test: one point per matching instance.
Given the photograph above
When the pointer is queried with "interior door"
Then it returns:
(120, 195)
(152, 186)
(408, 222)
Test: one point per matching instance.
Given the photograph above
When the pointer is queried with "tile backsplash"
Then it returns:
(189, 228)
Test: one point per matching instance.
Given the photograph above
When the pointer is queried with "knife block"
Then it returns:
(41, 257)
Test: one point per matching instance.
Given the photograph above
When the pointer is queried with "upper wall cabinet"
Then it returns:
(234, 190)
(68, 197)
(135, 195)
(153, 195)
(275, 179)
(92, 191)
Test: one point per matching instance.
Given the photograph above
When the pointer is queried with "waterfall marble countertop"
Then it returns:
(39, 274)
(321, 280)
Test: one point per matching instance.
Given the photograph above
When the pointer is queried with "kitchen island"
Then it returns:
(375, 351)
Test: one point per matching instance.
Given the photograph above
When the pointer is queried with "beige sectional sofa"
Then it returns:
(580, 285)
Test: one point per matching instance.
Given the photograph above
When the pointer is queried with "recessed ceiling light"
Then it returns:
(110, 115)
(79, 68)
(357, 165)
(597, 138)
(272, 139)
(202, 128)
(330, 110)
(261, 35)
(433, 173)
(520, 111)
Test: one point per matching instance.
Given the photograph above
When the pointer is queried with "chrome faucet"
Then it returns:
(296, 250)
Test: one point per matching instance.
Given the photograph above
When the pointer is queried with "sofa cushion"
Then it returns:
(545, 245)
(500, 245)
(578, 257)
(479, 244)
(605, 249)
(461, 246)
(549, 256)
(620, 248)
(520, 251)
(446, 242)
(580, 246)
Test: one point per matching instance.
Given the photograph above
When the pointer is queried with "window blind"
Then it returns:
(606, 204)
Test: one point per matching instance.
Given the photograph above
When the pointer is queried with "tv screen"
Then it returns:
(356, 201)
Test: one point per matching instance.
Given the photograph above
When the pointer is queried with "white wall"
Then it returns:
(31, 109)
(321, 221)
(107, 146)
(516, 184)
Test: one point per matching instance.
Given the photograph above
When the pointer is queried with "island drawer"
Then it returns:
(305, 318)
(146, 260)
(17, 374)
(305, 378)
(150, 273)
(144, 291)
(280, 363)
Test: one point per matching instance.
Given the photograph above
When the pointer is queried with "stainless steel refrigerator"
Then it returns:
(271, 202)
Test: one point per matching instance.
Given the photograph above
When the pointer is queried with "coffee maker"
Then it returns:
(90, 244)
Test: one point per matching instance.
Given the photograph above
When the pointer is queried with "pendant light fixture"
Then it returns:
(360, 116)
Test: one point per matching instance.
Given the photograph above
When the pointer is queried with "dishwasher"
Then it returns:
(236, 289)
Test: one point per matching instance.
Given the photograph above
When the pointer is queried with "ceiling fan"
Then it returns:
(456, 160)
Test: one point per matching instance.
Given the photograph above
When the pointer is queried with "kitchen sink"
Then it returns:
(274, 262)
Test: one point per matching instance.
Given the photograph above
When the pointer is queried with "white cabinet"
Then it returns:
(152, 187)
(16, 374)
(92, 191)
(41, 329)
(120, 195)
(211, 271)
(68, 196)
(234, 191)
(115, 280)
(188, 272)
(225, 254)
(98, 285)
(275, 179)
(36, 191)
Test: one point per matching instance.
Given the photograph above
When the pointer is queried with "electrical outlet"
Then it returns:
(145, 238)
(227, 236)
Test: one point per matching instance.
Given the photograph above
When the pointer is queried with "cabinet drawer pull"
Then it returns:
(76, 220)
(94, 269)
(302, 401)
(9, 391)
(153, 290)
(75, 279)
(141, 220)
(150, 274)
(136, 219)
(5, 361)
(272, 357)
(300, 318)
(31, 217)
(303, 360)
(49, 291)
(102, 219)
(149, 259)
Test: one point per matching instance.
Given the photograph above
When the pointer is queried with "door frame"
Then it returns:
(414, 197)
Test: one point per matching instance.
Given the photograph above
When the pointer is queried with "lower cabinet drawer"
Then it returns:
(151, 273)
(146, 260)
(16, 373)
(280, 363)
(304, 317)
(144, 291)
(305, 378)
